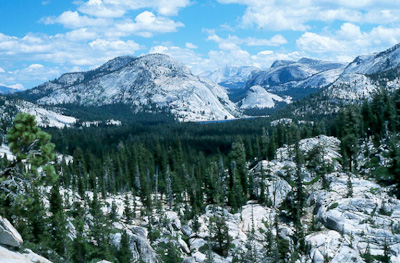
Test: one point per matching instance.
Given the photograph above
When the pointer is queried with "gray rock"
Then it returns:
(8, 256)
(9, 236)
(139, 231)
(186, 230)
(189, 260)
(142, 245)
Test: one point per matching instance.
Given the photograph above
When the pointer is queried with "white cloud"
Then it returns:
(231, 42)
(99, 8)
(190, 45)
(17, 86)
(60, 49)
(34, 72)
(126, 47)
(80, 35)
(145, 24)
(349, 41)
(228, 46)
(118, 8)
(220, 58)
(295, 14)
(312, 42)
(71, 19)
(2, 70)
(276, 40)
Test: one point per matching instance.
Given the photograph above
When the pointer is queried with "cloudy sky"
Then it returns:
(41, 39)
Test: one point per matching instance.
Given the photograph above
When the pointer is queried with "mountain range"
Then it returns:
(156, 83)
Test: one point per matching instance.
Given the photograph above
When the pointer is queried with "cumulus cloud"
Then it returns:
(190, 45)
(220, 58)
(34, 72)
(118, 8)
(80, 35)
(62, 49)
(276, 40)
(71, 19)
(145, 24)
(126, 47)
(349, 41)
(295, 15)
(17, 86)
(98, 30)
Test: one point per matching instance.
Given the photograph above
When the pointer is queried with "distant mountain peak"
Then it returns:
(280, 63)
(151, 83)
(116, 63)
(232, 77)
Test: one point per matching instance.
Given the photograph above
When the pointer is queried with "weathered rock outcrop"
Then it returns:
(9, 236)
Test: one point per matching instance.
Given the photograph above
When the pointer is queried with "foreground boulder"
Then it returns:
(9, 236)
(9, 256)
(9, 239)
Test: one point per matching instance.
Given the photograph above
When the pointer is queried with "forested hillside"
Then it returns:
(252, 190)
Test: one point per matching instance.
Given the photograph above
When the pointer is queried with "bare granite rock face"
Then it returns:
(9, 236)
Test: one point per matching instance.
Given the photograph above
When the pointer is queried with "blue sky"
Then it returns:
(41, 39)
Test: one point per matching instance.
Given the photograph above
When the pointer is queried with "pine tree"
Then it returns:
(349, 186)
(138, 187)
(238, 155)
(58, 229)
(367, 255)
(170, 195)
(394, 167)
(124, 254)
(80, 246)
(22, 181)
(236, 196)
(172, 254)
(386, 252)
(113, 215)
(220, 234)
(33, 149)
(262, 198)
(127, 209)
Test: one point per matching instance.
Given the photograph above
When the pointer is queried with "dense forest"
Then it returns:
(183, 167)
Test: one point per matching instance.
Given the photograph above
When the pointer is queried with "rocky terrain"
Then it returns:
(341, 222)
(366, 75)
